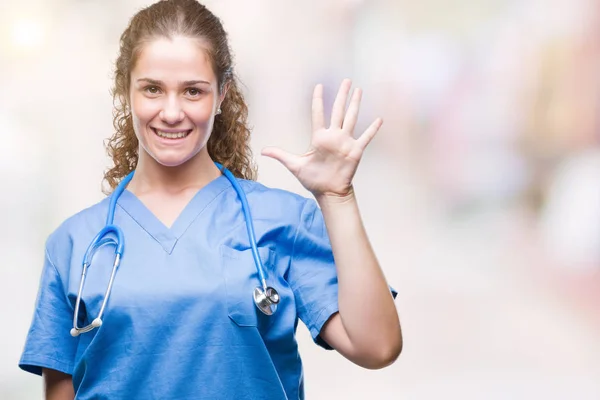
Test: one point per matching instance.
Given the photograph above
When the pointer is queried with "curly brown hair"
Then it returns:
(229, 143)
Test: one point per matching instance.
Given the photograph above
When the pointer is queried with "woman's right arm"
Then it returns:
(58, 385)
(49, 348)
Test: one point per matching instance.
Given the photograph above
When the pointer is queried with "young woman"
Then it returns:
(193, 311)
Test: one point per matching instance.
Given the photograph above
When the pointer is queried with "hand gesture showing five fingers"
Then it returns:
(329, 165)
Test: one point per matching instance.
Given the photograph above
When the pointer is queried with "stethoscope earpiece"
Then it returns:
(267, 300)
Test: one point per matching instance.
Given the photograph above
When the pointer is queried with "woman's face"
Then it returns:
(173, 98)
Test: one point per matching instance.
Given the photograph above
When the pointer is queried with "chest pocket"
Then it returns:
(241, 277)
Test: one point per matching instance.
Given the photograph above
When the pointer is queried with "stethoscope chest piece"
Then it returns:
(266, 300)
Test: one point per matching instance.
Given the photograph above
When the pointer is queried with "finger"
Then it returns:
(364, 139)
(339, 105)
(289, 160)
(352, 113)
(318, 119)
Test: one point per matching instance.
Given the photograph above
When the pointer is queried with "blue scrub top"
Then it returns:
(181, 322)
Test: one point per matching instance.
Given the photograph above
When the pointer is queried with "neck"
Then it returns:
(150, 176)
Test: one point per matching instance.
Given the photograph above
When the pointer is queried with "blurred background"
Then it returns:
(481, 193)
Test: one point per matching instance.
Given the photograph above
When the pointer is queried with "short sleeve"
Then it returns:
(313, 275)
(49, 343)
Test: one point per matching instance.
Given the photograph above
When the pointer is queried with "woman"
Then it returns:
(180, 321)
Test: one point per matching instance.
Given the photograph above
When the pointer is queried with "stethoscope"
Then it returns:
(265, 297)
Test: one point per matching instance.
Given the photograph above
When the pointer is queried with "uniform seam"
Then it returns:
(293, 284)
(140, 225)
(201, 211)
(60, 281)
(29, 358)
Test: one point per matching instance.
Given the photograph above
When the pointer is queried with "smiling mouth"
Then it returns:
(172, 135)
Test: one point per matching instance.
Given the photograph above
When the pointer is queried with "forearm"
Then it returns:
(58, 386)
(366, 307)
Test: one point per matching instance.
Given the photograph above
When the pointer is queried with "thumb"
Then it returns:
(289, 160)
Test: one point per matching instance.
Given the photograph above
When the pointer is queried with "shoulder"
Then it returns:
(81, 226)
(253, 188)
(275, 202)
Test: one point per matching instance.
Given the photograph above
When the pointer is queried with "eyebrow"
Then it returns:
(184, 83)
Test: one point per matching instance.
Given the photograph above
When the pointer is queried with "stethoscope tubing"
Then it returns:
(265, 299)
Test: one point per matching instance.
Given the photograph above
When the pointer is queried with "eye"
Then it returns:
(152, 89)
(194, 92)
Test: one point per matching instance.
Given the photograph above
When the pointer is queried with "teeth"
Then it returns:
(168, 135)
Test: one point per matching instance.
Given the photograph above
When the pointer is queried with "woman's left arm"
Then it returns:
(367, 329)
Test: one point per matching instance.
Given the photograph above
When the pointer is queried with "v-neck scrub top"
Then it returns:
(181, 322)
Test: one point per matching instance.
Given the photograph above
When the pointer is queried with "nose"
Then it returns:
(172, 113)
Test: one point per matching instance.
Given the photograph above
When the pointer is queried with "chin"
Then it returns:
(172, 161)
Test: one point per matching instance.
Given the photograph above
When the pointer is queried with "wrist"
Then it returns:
(332, 199)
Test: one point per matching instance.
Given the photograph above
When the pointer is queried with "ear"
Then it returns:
(224, 90)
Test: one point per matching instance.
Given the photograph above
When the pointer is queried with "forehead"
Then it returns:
(176, 59)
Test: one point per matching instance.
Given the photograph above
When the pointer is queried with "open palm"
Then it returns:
(329, 165)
